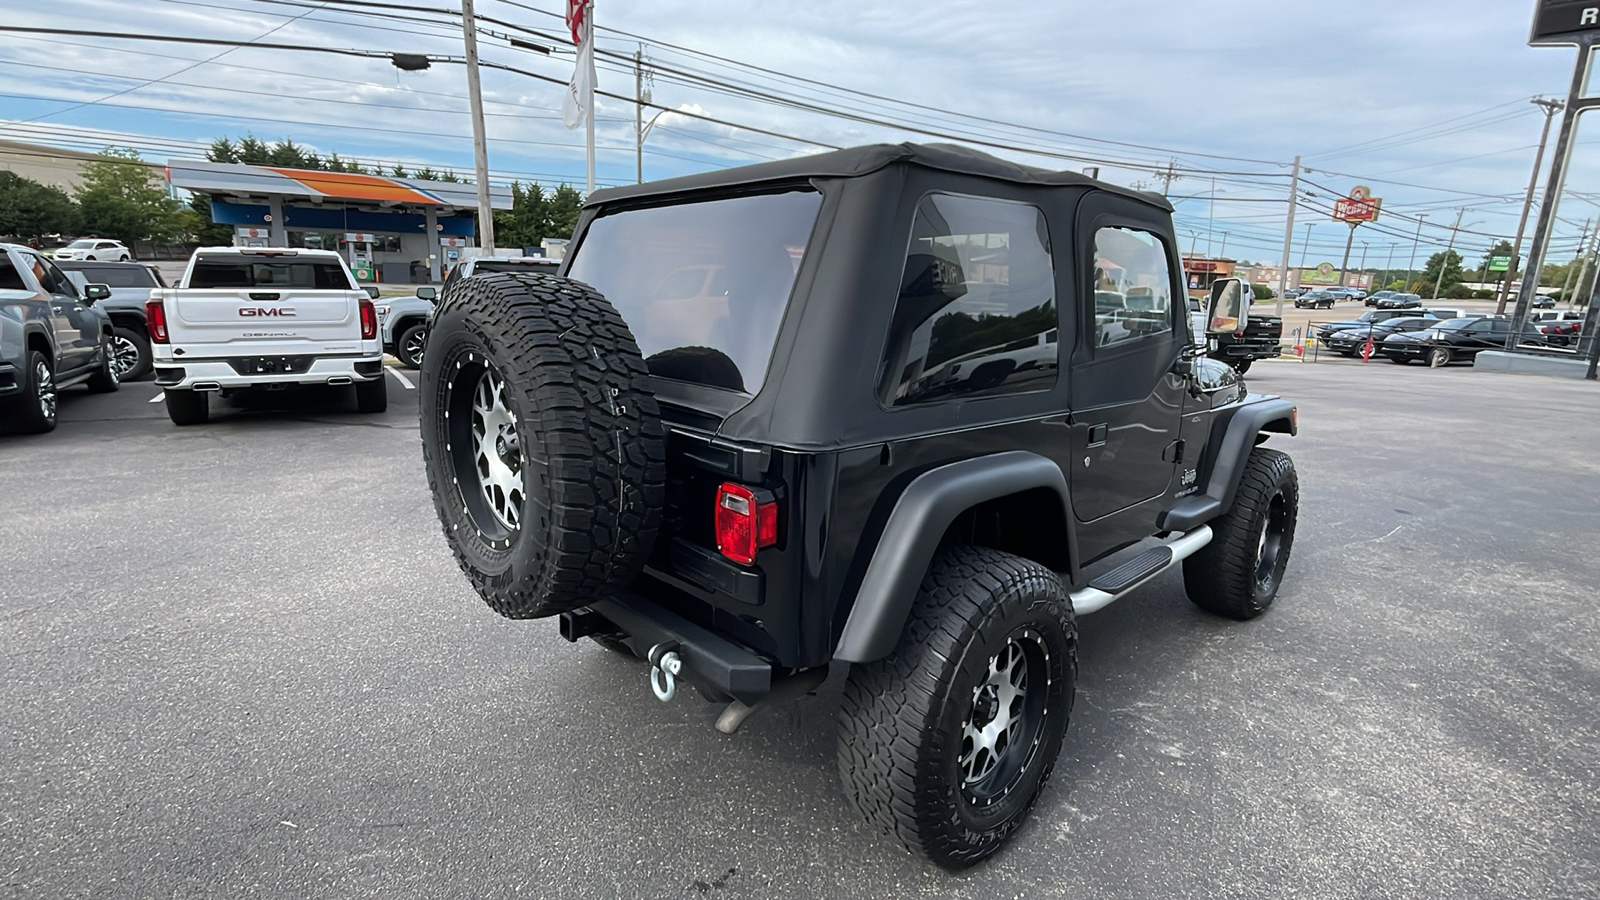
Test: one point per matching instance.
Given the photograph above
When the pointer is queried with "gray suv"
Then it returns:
(52, 335)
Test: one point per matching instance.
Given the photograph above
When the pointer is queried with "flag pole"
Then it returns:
(588, 28)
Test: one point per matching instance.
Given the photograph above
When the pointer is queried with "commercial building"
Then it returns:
(395, 230)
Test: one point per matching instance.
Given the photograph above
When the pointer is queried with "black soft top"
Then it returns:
(857, 161)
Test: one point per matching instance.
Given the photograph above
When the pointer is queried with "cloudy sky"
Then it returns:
(1426, 101)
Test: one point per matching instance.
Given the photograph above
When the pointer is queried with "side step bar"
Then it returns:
(1147, 565)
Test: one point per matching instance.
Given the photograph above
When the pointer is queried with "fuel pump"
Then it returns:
(358, 253)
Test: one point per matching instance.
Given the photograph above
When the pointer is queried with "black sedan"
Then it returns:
(1315, 300)
(1326, 330)
(1400, 301)
(1350, 341)
(1453, 340)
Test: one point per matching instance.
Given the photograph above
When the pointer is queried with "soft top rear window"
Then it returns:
(703, 286)
(236, 272)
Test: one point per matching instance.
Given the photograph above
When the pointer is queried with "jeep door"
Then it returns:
(1127, 397)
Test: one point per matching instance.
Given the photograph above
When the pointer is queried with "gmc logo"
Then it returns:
(253, 311)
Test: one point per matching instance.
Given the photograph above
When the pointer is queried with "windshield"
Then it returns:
(130, 277)
(237, 272)
(82, 245)
(703, 286)
(1454, 324)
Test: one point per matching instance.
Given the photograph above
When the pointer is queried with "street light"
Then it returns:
(644, 132)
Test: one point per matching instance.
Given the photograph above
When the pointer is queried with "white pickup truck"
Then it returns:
(250, 318)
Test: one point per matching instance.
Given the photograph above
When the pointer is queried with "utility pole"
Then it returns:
(588, 41)
(1168, 177)
(1549, 108)
(1306, 247)
(638, 114)
(1223, 254)
(1288, 234)
(1444, 263)
(1211, 215)
(1363, 261)
(1572, 269)
(1412, 267)
(1387, 268)
(1588, 258)
(480, 144)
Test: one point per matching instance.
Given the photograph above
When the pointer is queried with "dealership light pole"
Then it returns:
(1549, 108)
(480, 146)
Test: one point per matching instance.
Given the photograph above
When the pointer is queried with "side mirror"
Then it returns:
(95, 292)
(372, 291)
(428, 293)
(1229, 309)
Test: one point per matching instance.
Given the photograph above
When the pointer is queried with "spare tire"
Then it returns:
(542, 443)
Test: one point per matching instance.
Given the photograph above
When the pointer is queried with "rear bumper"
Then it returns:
(232, 372)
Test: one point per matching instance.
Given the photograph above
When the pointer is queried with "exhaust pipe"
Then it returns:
(339, 379)
(207, 386)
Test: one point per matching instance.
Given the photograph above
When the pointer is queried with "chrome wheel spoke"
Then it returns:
(496, 450)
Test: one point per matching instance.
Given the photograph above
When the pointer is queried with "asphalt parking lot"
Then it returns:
(239, 661)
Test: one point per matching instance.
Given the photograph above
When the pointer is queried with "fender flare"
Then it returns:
(1233, 446)
(912, 534)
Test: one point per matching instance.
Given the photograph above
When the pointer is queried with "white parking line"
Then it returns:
(159, 397)
(403, 380)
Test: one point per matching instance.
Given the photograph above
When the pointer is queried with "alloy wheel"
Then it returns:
(497, 450)
(45, 390)
(124, 356)
(414, 344)
(1005, 722)
(1269, 547)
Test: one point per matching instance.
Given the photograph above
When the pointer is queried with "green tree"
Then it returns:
(1450, 261)
(426, 173)
(122, 198)
(449, 175)
(528, 219)
(253, 151)
(223, 151)
(397, 171)
(31, 210)
(565, 205)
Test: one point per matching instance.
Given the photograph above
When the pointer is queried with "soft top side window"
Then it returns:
(976, 314)
(1132, 287)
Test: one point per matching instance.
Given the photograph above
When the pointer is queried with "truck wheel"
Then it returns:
(410, 346)
(541, 441)
(946, 743)
(187, 407)
(132, 352)
(105, 379)
(1241, 366)
(1238, 573)
(33, 409)
(372, 396)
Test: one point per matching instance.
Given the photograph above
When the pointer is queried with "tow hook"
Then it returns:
(665, 666)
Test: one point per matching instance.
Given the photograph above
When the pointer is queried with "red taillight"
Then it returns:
(745, 523)
(155, 316)
(369, 320)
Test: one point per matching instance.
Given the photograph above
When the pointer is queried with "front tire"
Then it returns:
(1239, 572)
(187, 407)
(132, 351)
(409, 348)
(947, 743)
(1438, 357)
(1242, 366)
(33, 410)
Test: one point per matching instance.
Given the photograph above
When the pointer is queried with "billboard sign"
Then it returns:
(1324, 275)
(1359, 207)
(1558, 22)
(1499, 263)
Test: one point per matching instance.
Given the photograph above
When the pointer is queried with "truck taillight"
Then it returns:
(155, 316)
(745, 522)
(369, 320)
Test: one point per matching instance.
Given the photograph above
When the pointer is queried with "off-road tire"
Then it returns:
(1241, 366)
(584, 501)
(185, 407)
(407, 359)
(901, 726)
(105, 379)
(140, 345)
(27, 412)
(373, 396)
(1233, 575)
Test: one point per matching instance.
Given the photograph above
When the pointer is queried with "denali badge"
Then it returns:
(250, 311)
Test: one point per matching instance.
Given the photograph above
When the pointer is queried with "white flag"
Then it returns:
(580, 93)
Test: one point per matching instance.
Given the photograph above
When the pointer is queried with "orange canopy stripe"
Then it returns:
(347, 186)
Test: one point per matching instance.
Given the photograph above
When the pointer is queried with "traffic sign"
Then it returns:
(1564, 21)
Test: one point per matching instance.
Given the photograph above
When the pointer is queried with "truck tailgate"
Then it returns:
(236, 316)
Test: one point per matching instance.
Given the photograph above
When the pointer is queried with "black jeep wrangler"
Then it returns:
(906, 408)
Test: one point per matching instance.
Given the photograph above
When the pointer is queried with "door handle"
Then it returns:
(1098, 434)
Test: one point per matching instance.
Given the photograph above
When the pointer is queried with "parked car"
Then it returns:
(1543, 301)
(52, 336)
(1340, 292)
(1453, 340)
(403, 324)
(1326, 330)
(1560, 329)
(96, 249)
(1400, 301)
(1315, 300)
(469, 267)
(1351, 341)
(1372, 299)
(245, 317)
(788, 497)
(131, 284)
